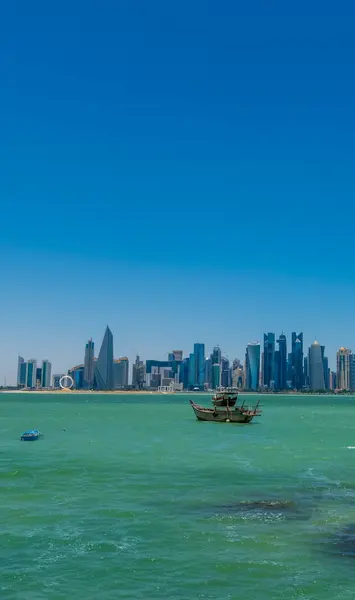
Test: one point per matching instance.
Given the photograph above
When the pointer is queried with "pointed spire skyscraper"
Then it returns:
(297, 361)
(104, 364)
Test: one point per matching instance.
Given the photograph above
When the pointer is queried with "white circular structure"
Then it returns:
(66, 382)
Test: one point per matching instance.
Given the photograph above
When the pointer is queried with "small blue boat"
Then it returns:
(30, 436)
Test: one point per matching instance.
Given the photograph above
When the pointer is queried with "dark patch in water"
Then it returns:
(342, 543)
(269, 504)
(271, 508)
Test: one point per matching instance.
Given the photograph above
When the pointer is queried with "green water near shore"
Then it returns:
(136, 499)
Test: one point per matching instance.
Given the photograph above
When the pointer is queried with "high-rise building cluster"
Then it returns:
(275, 369)
(102, 373)
(270, 367)
(31, 376)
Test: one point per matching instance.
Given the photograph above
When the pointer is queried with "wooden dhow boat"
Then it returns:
(226, 409)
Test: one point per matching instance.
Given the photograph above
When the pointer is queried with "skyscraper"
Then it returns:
(89, 365)
(289, 369)
(208, 372)
(297, 360)
(325, 368)
(31, 372)
(269, 359)
(238, 377)
(332, 380)
(344, 364)
(236, 363)
(216, 376)
(316, 367)
(120, 373)
(197, 367)
(184, 373)
(38, 377)
(252, 363)
(138, 374)
(192, 370)
(282, 362)
(21, 372)
(261, 374)
(306, 371)
(199, 352)
(216, 356)
(326, 373)
(277, 377)
(225, 373)
(103, 374)
(77, 373)
(216, 360)
(46, 374)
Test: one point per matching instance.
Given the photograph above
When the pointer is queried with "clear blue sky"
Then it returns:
(183, 171)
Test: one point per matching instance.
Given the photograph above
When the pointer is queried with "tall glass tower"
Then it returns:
(282, 363)
(31, 371)
(225, 372)
(252, 365)
(120, 373)
(138, 373)
(316, 367)
(297, 360)
(21, 372)
(199, 352)
(89, 365)
(344, 365)
(208, 372)
(46, 374)
(216, 356)
(192, 370)
(216, 376)
(269, 360)
(184, 373)
(103, 375)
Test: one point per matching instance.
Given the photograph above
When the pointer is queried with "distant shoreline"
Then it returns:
(84, 392)
(156, 392)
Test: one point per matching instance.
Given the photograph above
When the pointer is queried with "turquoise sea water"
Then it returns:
(131, 497)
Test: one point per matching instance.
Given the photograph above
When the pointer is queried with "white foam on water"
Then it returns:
(263, 516)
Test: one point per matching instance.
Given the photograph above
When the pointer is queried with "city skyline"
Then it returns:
(269, 366)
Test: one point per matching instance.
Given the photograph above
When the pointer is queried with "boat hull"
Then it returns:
(217, 415)
(30, 436)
